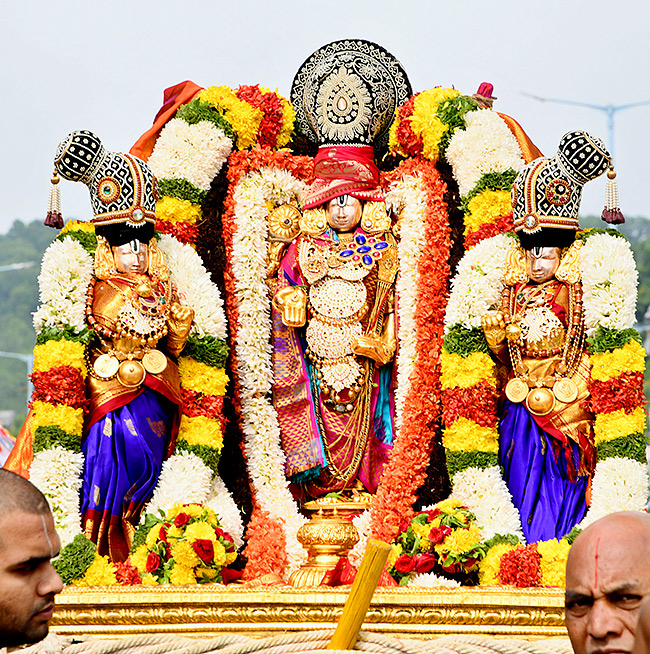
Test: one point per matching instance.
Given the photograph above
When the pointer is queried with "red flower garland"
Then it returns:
(266, 546)
(477, 403)
(270, 104)
(181, 231)
(409, 145)
(488, 230)
(622, 392)
(60, 385)
(407, 465)
(521, 567)
(198, 404)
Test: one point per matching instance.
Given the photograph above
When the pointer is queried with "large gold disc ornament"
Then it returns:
(131, 373)
(565, 390)
(540, 401)
(516, 390)
(154, 362)
(106, 366)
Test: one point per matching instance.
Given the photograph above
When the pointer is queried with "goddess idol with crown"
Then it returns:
(556, 306)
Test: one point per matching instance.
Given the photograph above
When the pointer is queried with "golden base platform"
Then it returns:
(402, 612)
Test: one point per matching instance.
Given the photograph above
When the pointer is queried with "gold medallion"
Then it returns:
(565, 390)
(540, 401)
(516, 390)
(154, 362)
(105, 366)
(130, 373)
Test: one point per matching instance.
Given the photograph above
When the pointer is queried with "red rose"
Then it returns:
(153, 562)
(181, 520)
(405, 563)
(425, 563)
(450, 568)
(204, 549)
(470, 562)
(220, 533)
(162, 534)
(436, 535)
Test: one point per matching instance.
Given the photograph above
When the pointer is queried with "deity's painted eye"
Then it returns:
(108, 189)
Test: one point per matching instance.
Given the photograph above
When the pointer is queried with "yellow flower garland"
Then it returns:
(181, 575)
(459, 372)
(174, 210)
(607, 365)
(100, 573)
(57, 353)
(466, 435)
(488, 567)
(617, 424)
(202, 378)
(553, 563)
(244, 118)
(460, 541)
(46, 415)
(200, 430)
(426, 124)
(486, 207)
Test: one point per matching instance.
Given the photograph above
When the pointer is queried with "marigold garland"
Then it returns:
(202, 378)
(274, 509)
(61, 352)
(406, 468)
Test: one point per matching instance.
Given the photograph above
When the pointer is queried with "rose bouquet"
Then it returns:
(185, 545)
(444, 539)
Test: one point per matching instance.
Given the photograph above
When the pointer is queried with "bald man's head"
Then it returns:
(19, 494)
(608, 574)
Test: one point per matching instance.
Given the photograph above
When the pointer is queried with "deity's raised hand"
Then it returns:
(494, 328)
(291, 302)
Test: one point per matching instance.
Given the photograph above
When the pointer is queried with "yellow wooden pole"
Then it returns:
(356, 606)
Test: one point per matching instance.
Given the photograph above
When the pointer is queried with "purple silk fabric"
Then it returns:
(549, 504)
(124, 452)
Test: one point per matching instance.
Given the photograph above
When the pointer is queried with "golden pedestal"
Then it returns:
(403, 612)
(327, 537)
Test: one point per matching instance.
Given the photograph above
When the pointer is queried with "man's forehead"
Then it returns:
(27, 532)
(608, 560)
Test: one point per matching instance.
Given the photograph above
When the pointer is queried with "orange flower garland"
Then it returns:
(406, 468)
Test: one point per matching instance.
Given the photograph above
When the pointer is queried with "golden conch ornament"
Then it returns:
(284, 222)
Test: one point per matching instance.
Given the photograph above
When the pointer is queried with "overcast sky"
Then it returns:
(103, 66)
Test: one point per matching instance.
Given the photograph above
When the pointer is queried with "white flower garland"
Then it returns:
(408, 199)
(195, 287)
(431, 580)
(486, 495)
(264, 453)
(66, 271)
(478, 284)
(57, 474)
(485, 146)
(619, 484)
(222, 503)
(184, 478)
(609, 282)
(363, 524)
(192, 152)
